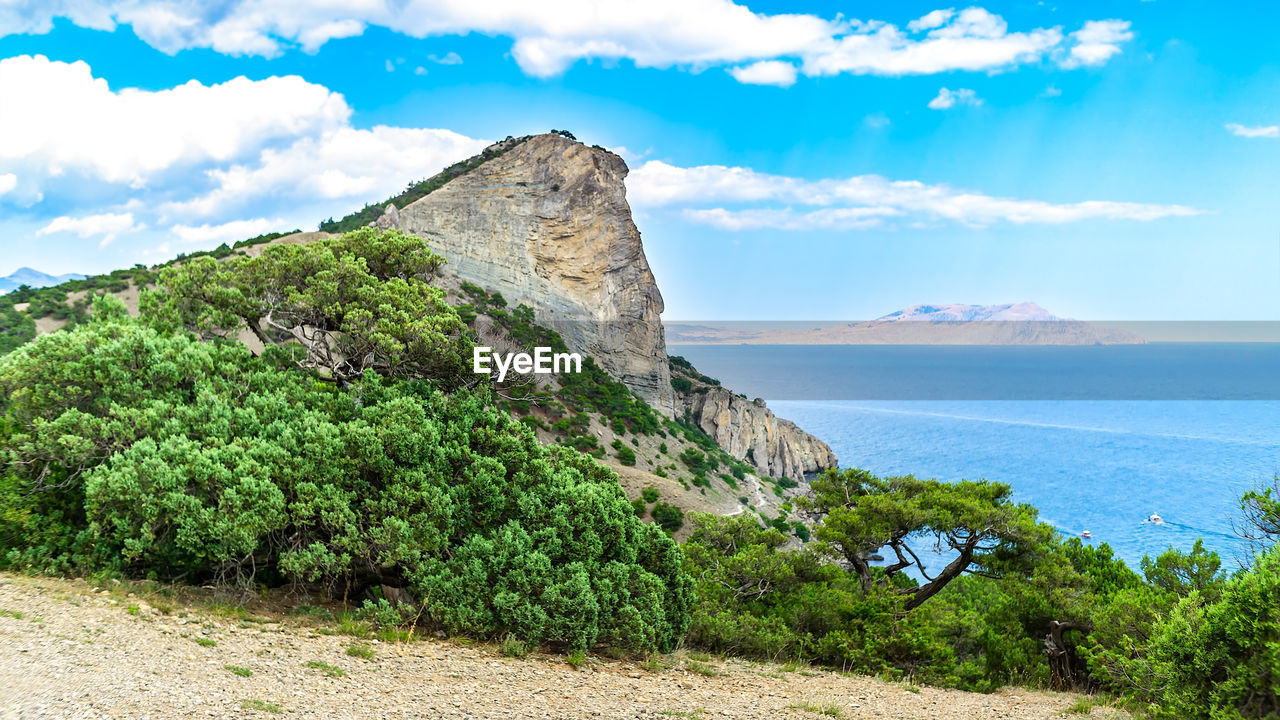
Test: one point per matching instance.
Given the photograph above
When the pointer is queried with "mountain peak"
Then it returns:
(33, 278)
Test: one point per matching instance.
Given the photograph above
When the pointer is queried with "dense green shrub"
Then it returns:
(756, 599)
(668, 517)
(349, 304)
(625, 455)
(16, 327)
(154, 454)
(1199, 646)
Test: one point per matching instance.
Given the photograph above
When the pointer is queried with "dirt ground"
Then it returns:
(69, 649)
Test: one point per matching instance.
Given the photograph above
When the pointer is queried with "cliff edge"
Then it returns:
(546, 223)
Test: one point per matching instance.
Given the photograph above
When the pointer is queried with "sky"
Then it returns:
(789, 161)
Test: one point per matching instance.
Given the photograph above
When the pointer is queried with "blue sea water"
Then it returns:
(1102, 463)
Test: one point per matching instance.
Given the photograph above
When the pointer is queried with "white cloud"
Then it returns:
(197, 158)
(853, 202)
(766, 72)
(974, 39)
(391, 67)
(950, 98)
(451, 58)
(1257, 131)
(932, 20)
(549, 37)
(57, 118)
(1051, 92)
(859, 218)
(1097, 42)
(228, 232)
(343, 164)
(419, 70)
(108, 225)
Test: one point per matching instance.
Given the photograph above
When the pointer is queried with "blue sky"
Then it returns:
(814, 161)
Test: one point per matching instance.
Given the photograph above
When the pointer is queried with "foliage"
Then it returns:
(151, 453)
(1211, 655)
(352, 304)
(1260, 509)
(16, 327)
(756, 599)
(975, 520)
(668, 517)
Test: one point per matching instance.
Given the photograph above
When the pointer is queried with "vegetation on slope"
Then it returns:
(130, 445)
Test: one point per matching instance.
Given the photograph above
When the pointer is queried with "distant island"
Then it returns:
(1024, 323)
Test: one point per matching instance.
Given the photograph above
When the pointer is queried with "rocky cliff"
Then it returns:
(546, 224)
(747, 429)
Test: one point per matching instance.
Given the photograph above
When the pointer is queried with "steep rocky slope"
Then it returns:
(747, 429)
(547, 224)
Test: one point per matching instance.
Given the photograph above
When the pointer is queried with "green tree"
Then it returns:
(976, 521)
(362, 301)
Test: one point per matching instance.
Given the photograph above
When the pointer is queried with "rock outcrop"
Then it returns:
(546, 224)
(748, 430)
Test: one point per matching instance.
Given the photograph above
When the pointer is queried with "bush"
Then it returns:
(1213, 655)
(153, 454)
(668, 517)
(625, 455)
(650, 494)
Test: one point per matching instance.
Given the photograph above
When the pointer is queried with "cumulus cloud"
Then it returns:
(209, 162)
(950, 98)
(859, 201)
(346, 163)
(932, 20)
(973, 39)
(228, 232)
(549, 37)
(766, 72)
(57, 118)
(105, 225)
(1097, 42)
(1256, 131)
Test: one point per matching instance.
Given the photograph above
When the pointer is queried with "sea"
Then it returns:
(1098, 438)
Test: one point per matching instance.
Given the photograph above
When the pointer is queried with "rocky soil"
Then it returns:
(69, 649)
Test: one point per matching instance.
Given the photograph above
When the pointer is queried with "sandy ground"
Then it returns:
(71, 650)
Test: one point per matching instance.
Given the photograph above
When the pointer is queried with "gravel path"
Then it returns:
(68, 650)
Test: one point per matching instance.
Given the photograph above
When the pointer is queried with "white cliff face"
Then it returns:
(750, 431)
(547, 224)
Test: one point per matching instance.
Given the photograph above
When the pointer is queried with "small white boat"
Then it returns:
(1155, 518)
(1086, 534)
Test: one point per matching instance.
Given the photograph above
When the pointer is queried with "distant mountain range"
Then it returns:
(33, 278)
(1023, 323)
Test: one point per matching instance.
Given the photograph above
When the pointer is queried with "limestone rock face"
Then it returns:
(748, 430)
(547, 224)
